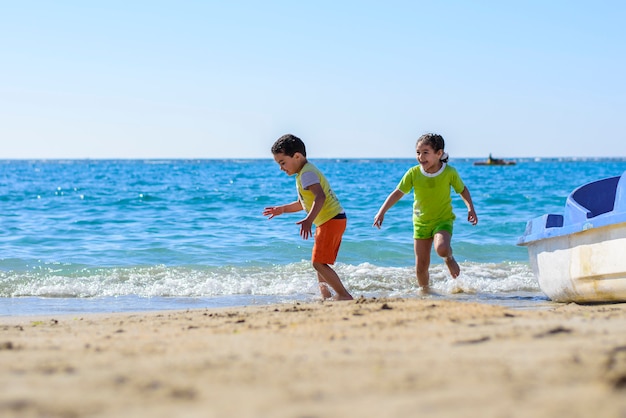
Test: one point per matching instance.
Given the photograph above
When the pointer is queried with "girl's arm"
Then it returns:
(273, 211)
(391, 200)
(471, 213)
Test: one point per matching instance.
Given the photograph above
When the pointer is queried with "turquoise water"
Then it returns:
(129, 235)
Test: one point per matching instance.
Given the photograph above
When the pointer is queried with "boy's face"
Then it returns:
(290, 165)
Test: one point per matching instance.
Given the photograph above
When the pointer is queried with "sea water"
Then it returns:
(83, 236)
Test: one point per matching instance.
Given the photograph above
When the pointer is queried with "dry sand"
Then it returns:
(366, 358)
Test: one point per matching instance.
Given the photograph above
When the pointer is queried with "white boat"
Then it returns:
(580, 256)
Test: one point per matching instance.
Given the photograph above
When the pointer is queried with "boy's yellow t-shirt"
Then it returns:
(311, 175)
(431, 192)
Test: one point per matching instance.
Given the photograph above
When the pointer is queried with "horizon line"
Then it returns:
(311, 158)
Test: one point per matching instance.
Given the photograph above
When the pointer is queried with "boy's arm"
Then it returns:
(306, 224)
(471, 213)
(391, 200)
(273, 211)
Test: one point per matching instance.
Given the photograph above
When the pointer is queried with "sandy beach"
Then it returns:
(369, 357)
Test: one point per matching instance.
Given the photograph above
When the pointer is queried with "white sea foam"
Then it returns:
(285, 280)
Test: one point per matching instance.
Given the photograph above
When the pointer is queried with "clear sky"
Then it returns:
(225, 78)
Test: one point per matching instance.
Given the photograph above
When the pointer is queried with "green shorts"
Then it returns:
(426, 230)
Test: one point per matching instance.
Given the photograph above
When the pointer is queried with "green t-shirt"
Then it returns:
(431, 192)
(311, 175)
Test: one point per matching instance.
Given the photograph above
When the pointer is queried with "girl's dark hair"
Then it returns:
(289, 145)
(436, 142)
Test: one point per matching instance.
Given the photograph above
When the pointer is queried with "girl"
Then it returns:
(432, 207)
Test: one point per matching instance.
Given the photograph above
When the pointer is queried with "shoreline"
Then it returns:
(373, 357)
(31, 306)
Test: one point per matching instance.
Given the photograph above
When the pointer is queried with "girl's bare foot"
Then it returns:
(453, 266)
(427, 291)
(344, 297)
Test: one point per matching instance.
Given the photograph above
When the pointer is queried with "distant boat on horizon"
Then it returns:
(494, 161)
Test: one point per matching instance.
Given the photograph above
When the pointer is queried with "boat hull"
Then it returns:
(584, 267)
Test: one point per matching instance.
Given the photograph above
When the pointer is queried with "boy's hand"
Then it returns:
(305, 228)
(273, 211)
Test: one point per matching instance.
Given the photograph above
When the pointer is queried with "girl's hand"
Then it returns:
(273, 211)
(378, 220)
(471, 217)
(306, 227)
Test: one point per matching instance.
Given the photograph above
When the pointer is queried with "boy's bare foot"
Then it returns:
(343, 297)
(324, 291)
(453, 266)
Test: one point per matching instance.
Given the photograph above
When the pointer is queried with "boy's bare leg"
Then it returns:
(444, 250)
(330, 277)
(323, 287)
(422, 262)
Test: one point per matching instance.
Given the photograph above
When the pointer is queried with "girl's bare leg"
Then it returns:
(422, 261)
(443, 248)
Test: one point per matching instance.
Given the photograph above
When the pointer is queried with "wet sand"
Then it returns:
(369, 357)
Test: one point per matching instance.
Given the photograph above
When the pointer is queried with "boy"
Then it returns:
(323, 210)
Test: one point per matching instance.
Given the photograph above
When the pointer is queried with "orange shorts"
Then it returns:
(327, 241)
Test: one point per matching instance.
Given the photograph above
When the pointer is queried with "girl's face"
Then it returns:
(428, 158)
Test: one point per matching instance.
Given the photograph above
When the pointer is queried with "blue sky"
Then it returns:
(224, 79)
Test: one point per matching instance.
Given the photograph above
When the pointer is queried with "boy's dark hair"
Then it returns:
(289, 145)
(435, 141)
